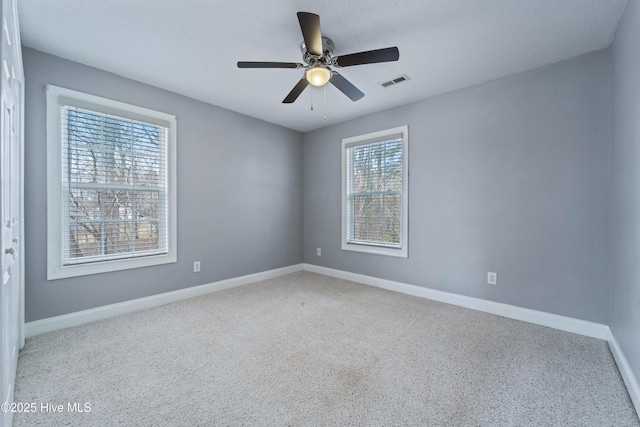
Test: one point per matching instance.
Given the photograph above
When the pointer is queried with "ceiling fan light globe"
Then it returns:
(318, 76)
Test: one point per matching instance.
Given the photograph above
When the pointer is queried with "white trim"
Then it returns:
(20, 78)
(56, 269)
(402, 251)
(628, 376)
(563, 323)
(86, 316)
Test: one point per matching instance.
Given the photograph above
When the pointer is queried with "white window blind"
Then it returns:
(115, 187)
(374, 207)
(375, 192)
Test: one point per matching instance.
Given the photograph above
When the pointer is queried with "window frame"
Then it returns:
(372, 248)
(56, 97)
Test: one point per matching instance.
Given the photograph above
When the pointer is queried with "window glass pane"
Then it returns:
(85, 205)
(118, 237)
(377, 219)
(146, 170)
(85, 239)
(376, 167)
(147, 203)
(147, 236)
(82, 164)
(84, 129)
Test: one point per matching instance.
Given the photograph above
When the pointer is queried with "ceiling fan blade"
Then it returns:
(310, 26)
(296, 91)
(245, 64)
(346, 87)
(388, 54)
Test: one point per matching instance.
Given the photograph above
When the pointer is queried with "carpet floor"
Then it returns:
(306, 349)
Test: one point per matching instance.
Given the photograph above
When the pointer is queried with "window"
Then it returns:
(111, 202)
(374, 192)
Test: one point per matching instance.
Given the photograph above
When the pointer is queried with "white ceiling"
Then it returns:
(192, 46)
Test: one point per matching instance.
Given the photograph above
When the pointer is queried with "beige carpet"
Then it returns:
(305, 349)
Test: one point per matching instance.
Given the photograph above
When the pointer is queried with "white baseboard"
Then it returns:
(569, 324)
(86, 316)
(628, 376)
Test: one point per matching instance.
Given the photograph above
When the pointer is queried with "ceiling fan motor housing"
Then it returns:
(327, 53)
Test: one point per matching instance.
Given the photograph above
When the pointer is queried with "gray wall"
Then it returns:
(625, 186)
(511, 176)
(239, 193)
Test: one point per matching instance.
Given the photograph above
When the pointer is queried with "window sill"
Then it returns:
(376, 250)
(61, 272)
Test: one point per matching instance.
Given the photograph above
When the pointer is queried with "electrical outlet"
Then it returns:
(319, 252)
(196, 266)
(492, 278)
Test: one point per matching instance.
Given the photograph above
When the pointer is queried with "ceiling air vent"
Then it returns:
(395, 81)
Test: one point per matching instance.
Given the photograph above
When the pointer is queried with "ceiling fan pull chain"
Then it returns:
(311, 100)
(324, 93)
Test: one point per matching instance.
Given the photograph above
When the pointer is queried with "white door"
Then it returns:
(10, 202)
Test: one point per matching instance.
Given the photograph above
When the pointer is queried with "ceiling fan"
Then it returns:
(317, 53)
